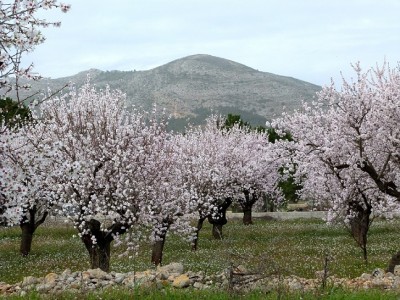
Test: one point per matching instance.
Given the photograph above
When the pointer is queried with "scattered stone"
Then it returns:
(28, 281)
(295, 285)
(396, 283)
(97, 273)
(44, 288)
(240, 270)
(396, 270)
(181, 281)
(366, 276)
(119, 278)
(5, 288)
(50, 278)
(198, 285)
(378, 273)
(238, 278)
(172, 268)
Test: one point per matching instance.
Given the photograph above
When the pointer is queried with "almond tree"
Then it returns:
(223, 165)
(347, 148)
(206, 173)
(19, 34)
(101, 155)
(254, 168)
(164, 191)
(24, 180)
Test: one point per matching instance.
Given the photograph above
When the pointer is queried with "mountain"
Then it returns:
(193, 87)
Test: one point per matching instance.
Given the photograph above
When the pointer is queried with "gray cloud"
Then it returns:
(309, 40)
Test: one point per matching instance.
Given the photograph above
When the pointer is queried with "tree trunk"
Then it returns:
(26, 238)
(158, 246)
(199, 226)
(99, 249)
(359, 226)
(217, 231)
(157, 252)
(247, 217)
(219, 219)
(99, 254)
(247, 206)
(28, 227)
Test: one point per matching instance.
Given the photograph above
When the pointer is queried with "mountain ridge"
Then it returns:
(192, 87)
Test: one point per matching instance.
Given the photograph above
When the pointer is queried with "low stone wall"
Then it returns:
(173, 275)
(286, 215)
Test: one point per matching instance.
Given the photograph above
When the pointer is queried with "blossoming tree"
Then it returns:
(25, 185)
(223, 165)
(19, 34)
(347, 148)
(254, 169)
(102, 156)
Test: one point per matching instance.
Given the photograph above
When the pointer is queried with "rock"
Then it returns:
(199, 285)
(29, 280)
(240, 270)
(50, 278)
(382, 283)
(97, 273)
(175, 268)
(396, 271)
(65, 274)
(181, 281)
(378, 273)
(119, 278)
(75, 285)
(106, 283)
(44, 288)
(389, 275)
(85, 276)
(366, 276)
(295, 285)
(163, 275)
(396, 283)
(129, 280)
(5, 288)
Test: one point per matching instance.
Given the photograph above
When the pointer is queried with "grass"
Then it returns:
(295, 247)
(189, 294)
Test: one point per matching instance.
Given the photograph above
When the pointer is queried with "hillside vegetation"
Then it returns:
(193, 87)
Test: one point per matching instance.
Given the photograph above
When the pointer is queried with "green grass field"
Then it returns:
(286, 247)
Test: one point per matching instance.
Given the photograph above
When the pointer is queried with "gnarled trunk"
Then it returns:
(158, 246)
(219, 219)
(99, 247)
(157, 251)
(99, 253)
(217, 231)
(359, 225)
(247, 206)
(200, 222)
(28, 227)
(26, 238)
(247, 217)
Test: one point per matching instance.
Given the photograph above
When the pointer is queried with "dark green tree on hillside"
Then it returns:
(231, 120)
(13, 113)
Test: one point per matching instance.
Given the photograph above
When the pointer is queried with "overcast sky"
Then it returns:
(312, 40)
